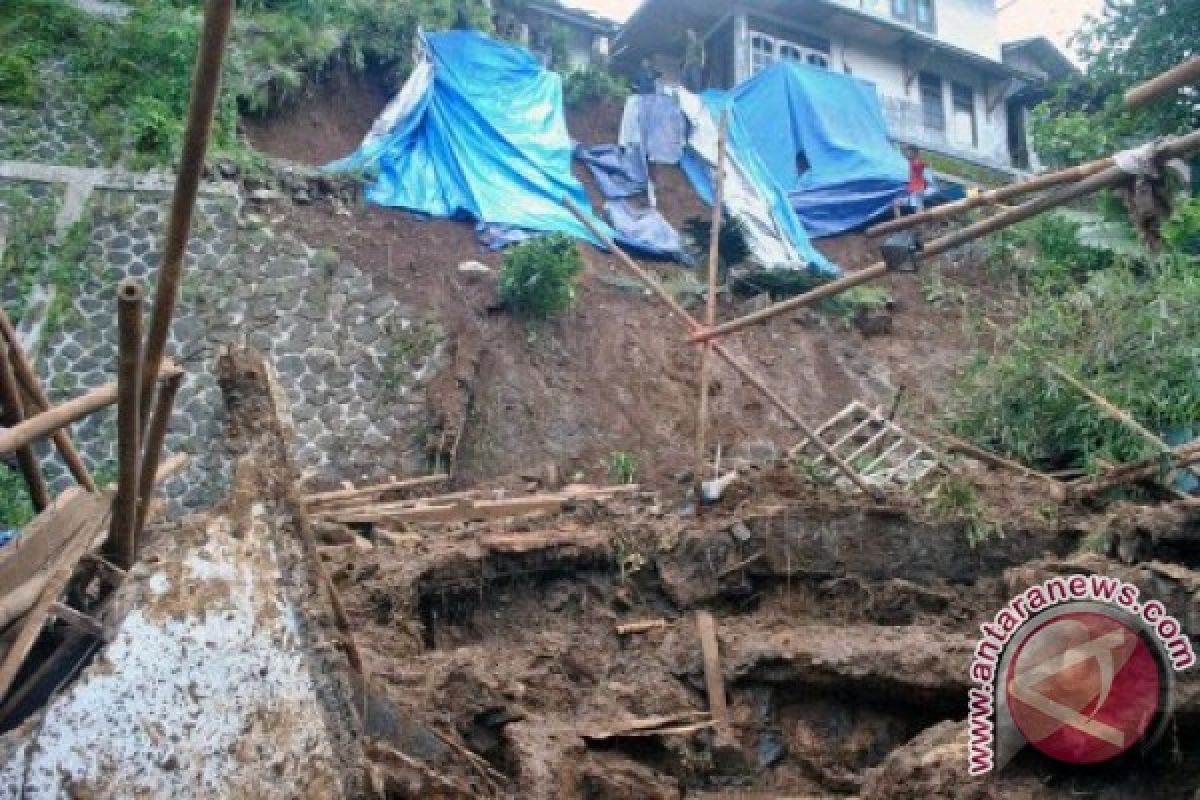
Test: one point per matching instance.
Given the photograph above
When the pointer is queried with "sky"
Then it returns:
(1056, 19)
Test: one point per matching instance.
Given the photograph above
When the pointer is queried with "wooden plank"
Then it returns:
(683, 722)
(60, 576)
(77, 619)
(714, 681)
(373, 491)
(47, 534)
(644, 626)
(539, 540)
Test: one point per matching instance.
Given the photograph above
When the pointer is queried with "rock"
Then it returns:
(740, 532)
(474, 267)
(301, 197)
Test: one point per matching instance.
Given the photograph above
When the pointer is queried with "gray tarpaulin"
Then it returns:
(619, 171)
(655, 122)
(646, 229)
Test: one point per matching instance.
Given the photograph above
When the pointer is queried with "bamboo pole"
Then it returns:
(33, 389)
(710, 314)
(152, 448)
(1106, 179)
(56, 418)
(1146, 469)
(1113, 412)
(993, 197)
(742, 370)
(14, 414)
(205, 84)
(122, 529)
(1177, 77)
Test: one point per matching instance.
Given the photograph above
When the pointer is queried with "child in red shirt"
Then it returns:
(917, 184)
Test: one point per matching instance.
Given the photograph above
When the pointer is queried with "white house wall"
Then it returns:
(969, 24)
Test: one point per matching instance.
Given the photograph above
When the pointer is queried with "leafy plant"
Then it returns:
(539, 278)
(732, 244)
(623, 467)
(593, 84)
(957, 498)
(18, 81)
(15, 507)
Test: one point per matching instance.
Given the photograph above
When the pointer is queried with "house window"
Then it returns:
(933, 108)
(966, 126)
(817, 60)
(918, 13)
(762, 53)
(924, 18)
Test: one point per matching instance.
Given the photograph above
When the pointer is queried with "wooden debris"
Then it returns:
(390, 757)
(515, 543)
(739, 566)
(467, 509)
(63, 567)
(644, 626)
(369, 492)
(714, 681)
(669, 725)
(77, 619)
(47, 535)
(14, 413)
(1125, 474)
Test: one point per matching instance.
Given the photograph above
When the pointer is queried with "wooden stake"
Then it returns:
(1177, 77)
(14, 414)
(206, 80)
(41, 402)
(645, 626)
(1106, 179)
(741, 369)
(152, 449)
(122, 533)
(714, 682)
(714, 254)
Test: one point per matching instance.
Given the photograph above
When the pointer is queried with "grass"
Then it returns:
(623, 468)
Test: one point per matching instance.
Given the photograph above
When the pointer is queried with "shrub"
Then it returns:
(17, 78)
(732, 246)
(592, 84)
(539, 277)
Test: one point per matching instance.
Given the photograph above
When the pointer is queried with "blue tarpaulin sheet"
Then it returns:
(854, 171)
(479, 132)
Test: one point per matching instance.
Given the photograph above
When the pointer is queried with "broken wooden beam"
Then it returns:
(643, 626)
(665, 725)
(78, 620)
(63, 567)
(516, 543)
(741, 369)
(956, 445)
(714, 681)
(42, 425)
(465, 508)
(1177, 77)
(343, 495)
(14, 413)
(1109, 178)
(28, 379)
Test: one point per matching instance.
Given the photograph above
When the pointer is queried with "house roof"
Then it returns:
(656, 23)
(1046, 54)
(575, 16)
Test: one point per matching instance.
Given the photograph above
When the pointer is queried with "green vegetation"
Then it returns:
(956, 498)
(134, 76)
(539, 278)
(1129, 42)
(1120, 319)
(623, 467)
(590, 85)
(15, 508)
(964, 169)
(733, 248)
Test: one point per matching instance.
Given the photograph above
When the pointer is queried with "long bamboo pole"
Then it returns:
(41, 402)
(205, 84)
(44, 424)
(1106, 179)
(129, 374)
(14, 414)
(1111, 411)
(1175, 78)
(1146, 469)
(152, 448)
(742, 370)
(993, 197)
(710, 315)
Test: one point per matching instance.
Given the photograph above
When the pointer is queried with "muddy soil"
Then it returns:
(613, 375)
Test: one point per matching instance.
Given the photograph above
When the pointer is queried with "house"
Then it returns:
(566, 38)
(945, 81)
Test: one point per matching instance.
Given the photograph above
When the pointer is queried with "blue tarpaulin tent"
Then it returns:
(854, 171)
(477, 132)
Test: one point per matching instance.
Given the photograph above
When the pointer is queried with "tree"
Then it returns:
(1129, 42)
